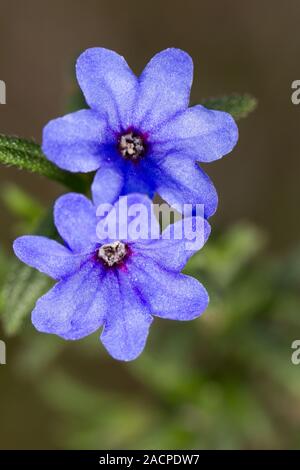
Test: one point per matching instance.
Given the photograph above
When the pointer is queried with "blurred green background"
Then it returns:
(225, 380)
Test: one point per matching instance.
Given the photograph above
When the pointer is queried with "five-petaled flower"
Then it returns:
(117, 284)
(139, 133)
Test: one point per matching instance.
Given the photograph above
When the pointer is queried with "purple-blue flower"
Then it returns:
(139, 132)
(117, 284)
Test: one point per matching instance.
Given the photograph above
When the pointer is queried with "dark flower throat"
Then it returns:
(113, 253)
(131, 146)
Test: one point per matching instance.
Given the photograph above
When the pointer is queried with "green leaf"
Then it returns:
(76, 101)
(23, 206)
(23, 286)
(3, 271)
(239, 106)
(27, 155)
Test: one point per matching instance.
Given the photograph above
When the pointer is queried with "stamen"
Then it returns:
(131, 146)
(112, 253)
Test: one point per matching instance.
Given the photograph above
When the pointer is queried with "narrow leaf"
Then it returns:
(239, 106)
(23, 286)
(27, 155)
(20, 203)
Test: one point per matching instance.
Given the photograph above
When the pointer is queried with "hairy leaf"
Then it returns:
(27, 155)
(23, 286)
(239, 106)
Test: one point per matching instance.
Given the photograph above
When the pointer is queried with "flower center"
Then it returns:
(112, 253)
(131, 146)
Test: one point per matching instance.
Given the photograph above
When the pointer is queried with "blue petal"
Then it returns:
(75, 307)
(169, 251)
(182, 181)
(107, 185)
(108, 84)
(168, 294)
(75, 220)
(76, 142)
(164, 88)
(127, 325)
(136, 181)
(47, 256)
(198, 133)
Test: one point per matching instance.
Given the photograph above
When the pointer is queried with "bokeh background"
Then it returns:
(225, 380)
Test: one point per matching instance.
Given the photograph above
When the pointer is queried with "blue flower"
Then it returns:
(117, 284)
(139, 132)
